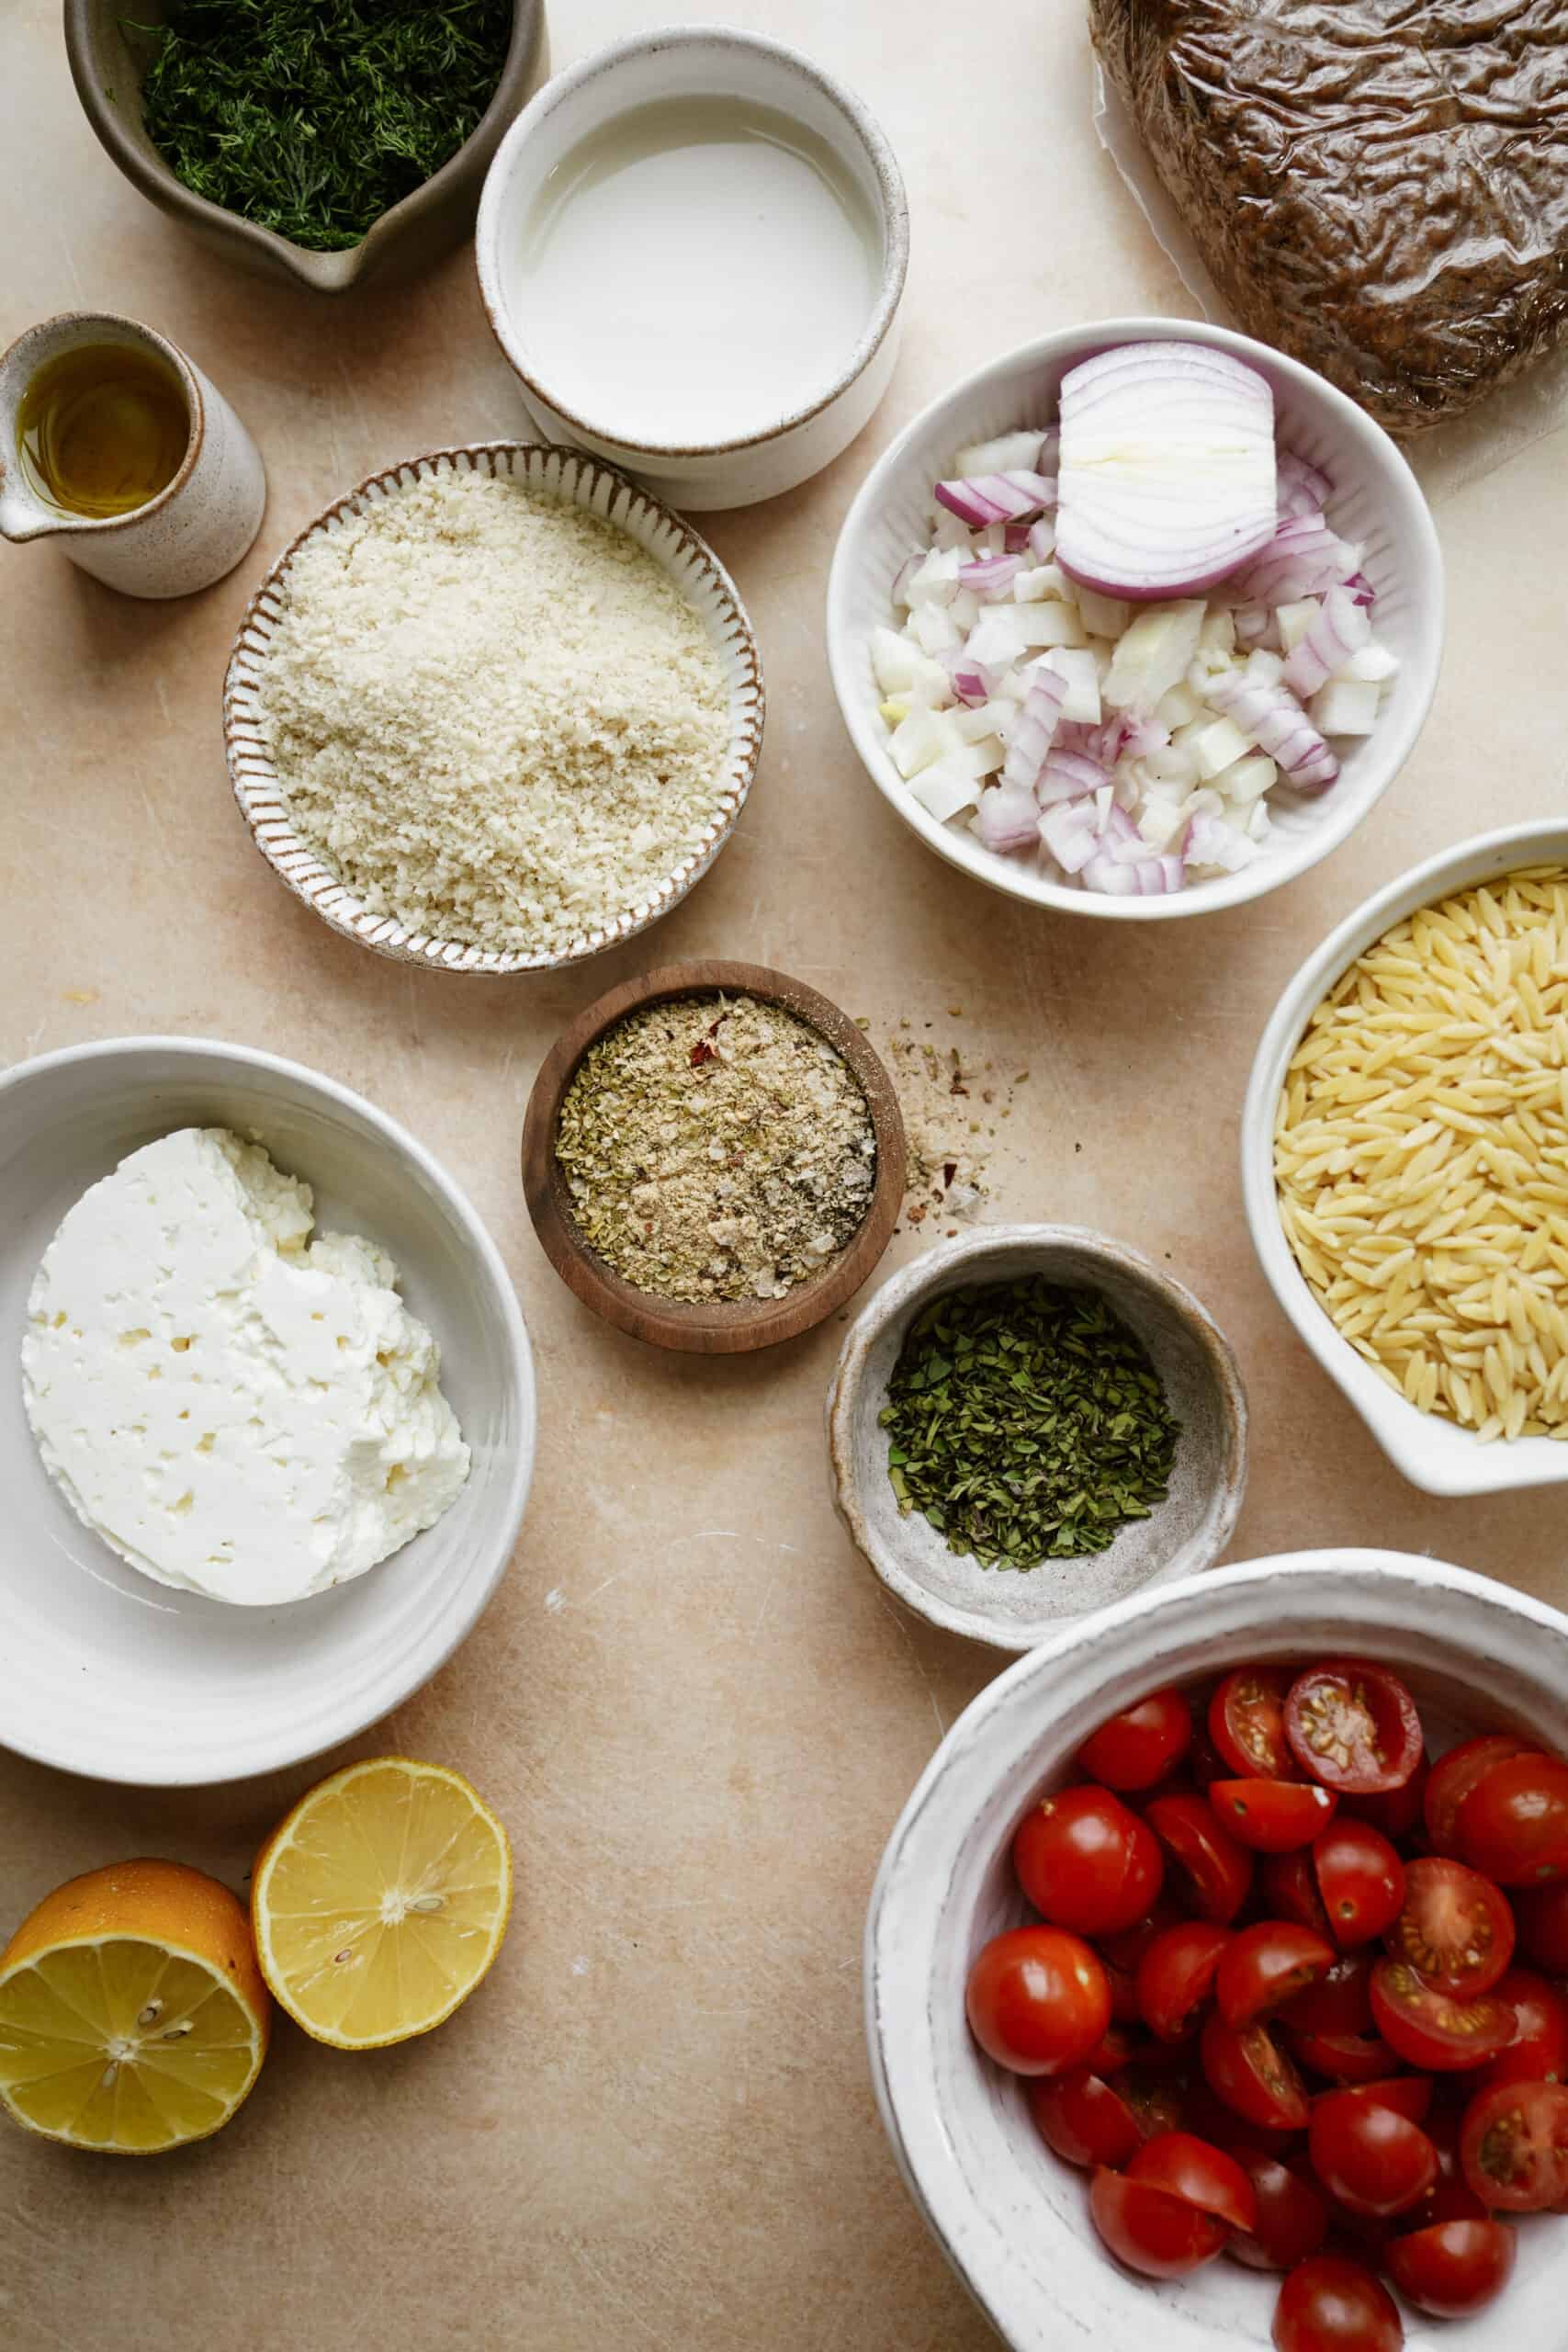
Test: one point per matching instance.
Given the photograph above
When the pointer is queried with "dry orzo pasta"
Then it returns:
(1421, 1155)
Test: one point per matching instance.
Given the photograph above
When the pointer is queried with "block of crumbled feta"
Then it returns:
(237, 1409)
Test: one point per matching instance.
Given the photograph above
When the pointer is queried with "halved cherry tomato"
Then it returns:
(1247, 1722)
(1037, 2000)
(1127, 1946)
(1203, 2111)
(1150, 2230)
(1204, 1764)
(1353, 1726)
(1360, 1880)
(1331, 2304)
(1396, 1812)
(1452, 1777)
(1344, 2057)
(1454, 1927)
(1176, 1976)
(1139, 1745)
(1292, 2214)
(1124, 2007)
(1369, 2156)
(1451, 2197)
(1085, 2118)
(1204, 2175)
(1157, 2099)
(1272, 1816)
(1087, 1862)
(1514, 2146)
(1116, 2048)
(1431, 2029)
(1288, 1890)
(1512, 1825)
(1216, 1872)
(1538, 2050)
(1451, 2268)
(1339, 2002)
(1253, 2074)
(1541, 1915)
(1265, 1966)
(1408, 2094)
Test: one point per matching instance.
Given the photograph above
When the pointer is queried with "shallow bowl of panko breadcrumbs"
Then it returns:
(495, 712)
(1405, 1163)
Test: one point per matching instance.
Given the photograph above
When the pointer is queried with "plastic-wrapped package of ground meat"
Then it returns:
(1377, 186)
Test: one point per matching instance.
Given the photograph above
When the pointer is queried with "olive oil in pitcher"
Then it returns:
(102, 429)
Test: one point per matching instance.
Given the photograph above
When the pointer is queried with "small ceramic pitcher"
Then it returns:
(197, 526)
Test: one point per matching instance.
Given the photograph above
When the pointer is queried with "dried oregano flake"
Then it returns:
(1026, 1422)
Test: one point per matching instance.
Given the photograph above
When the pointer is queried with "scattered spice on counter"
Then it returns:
(716, 1147)
(949, 1106)
(312, 117)
(1026, 1422)
(492, 714)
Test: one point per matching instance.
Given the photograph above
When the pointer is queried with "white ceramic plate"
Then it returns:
(1011, 2217)
(580, 482)
(105, 1672)
(1437, 1454)
(1377, 500)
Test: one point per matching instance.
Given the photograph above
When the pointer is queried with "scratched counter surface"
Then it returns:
(694, 1707)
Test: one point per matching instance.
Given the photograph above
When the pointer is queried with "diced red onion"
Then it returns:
(903, 576)
(1361, 588)
(1041, 541)
(1070, 830)
(1252, 624)
(990, 575)
(1015, 537)
(1304, 558)
(1167, 480)
(1338, 628)
(1211, 841)
(972, 683)
(1303, 487)
(1274, 719)
(1034, 729)
(997, 498)
(1111, 876)
(1007, 818)
(1069, 775)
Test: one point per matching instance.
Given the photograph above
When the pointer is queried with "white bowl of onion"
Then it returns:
(1211, 730)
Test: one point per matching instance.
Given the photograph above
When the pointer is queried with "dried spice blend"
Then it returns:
(1026, 1422)
(715, 1148)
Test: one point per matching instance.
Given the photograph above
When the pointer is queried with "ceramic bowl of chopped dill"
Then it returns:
(1029, 1423)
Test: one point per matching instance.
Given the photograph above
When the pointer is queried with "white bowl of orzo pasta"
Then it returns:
(1405, 1163)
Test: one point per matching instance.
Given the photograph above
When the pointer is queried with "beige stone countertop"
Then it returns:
(691, 1703)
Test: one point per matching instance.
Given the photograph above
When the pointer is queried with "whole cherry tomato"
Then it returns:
(1204, 2175)
(1360, 1880)
(1038, 2001)
(1512, 1825)
(1454, 1927)
(1369, 2156)
(1265, 1966)
(1087, 1862)
(1453, 1776)
(1150, 2230)
(1288, 1890)
(1431, 2029)
(1514, 2146)
(1253, 2074)
(1176, 1976)
(1292, 2214)
(1216, 1873)
(1339, 2002)
(1538, 2050)
(1541, 1915)
(1139, 1745)
(1451, 2268)
(1272, 1816)
(1353, 1726)
(1331, 2304)
(1084, 2118)
(1247, 1722)
(1344, 2057)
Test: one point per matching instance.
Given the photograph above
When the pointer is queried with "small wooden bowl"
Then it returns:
(722, 1327)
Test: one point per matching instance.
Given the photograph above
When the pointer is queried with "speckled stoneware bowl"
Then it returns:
(106, 65)
(690, 562)
(1010, 1609)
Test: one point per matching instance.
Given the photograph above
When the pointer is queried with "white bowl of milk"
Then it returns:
(692, 247)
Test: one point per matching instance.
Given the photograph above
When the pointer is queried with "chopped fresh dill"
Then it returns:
(314, 117)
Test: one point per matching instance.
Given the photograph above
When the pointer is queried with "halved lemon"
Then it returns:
(133, 2015)
(380, 1901)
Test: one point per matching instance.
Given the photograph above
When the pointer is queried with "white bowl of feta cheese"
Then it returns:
(268, 1433)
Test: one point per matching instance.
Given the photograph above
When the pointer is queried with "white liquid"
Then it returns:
(695, 271)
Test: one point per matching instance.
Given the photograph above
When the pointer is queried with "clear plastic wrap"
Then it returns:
(1377, 186)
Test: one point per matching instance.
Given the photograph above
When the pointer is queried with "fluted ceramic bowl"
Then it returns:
(1011, 2218)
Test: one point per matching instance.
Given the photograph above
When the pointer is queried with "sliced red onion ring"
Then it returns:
(1340, 628)
(1275, 722)
(1166, 481)
(1007, 818)
(997, 498)
(1034, 729)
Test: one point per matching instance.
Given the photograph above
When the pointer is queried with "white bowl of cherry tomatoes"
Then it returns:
(1214, 1970)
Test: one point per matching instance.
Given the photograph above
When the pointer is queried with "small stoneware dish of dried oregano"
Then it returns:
(1023, 1449)
(713, 1157)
